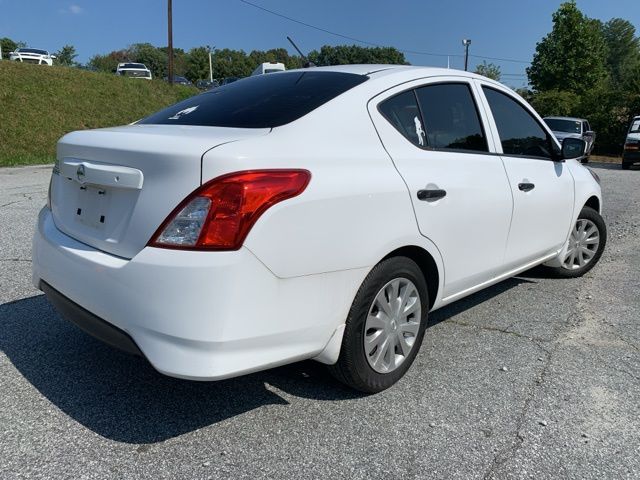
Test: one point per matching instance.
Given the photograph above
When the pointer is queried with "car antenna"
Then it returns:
(307, 63)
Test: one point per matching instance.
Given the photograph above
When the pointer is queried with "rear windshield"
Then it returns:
(262, 101)
(133, 65)
(635, 126)
(560, 125)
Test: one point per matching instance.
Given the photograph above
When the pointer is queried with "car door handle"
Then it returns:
(526, 187)
(431, 194)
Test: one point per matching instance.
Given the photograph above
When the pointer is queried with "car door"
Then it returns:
(543, 189)
(434, 133)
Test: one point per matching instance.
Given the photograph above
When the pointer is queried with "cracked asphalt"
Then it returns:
(532, 378)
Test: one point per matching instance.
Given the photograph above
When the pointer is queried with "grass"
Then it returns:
(40, 104)
(605, 158)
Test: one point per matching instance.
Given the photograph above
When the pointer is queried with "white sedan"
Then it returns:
(32, 55)
(317, 213)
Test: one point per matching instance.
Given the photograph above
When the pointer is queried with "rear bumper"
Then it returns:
(195, 315)
(631, 157)
(87, 321)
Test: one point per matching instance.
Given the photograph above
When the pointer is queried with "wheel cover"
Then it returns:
(583, 244)
(392, 325)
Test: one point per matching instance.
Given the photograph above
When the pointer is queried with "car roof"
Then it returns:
(408, 71)
(573, 119)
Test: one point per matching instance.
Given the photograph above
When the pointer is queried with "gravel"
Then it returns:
(494, 369)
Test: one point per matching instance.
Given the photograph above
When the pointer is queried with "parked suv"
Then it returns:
(570, 127)
(317, 213)
(631, 152)
(134, 70)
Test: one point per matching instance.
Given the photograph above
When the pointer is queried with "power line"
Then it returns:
(501, 59)
(415, 52)
(365, 42)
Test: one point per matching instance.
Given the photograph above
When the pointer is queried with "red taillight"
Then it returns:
(220, 214)
(632, 146)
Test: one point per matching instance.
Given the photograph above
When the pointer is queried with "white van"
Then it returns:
(269, 67)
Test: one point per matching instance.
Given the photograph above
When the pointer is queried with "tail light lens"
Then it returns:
(633, 145)
(220, 214)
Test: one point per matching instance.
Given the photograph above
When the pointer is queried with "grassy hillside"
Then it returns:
(40, 104)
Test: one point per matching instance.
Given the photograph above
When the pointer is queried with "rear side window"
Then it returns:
(451, 118)
(520, 133)
(403, 113)
(262, 101)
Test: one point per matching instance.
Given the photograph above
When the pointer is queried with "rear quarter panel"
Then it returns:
(356, 208)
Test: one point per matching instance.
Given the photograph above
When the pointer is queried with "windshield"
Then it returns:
(635, 126)
(560, 125)
(32, 50)
(263, 101)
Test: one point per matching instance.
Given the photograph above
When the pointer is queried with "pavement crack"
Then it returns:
(505, 455)
(15, 260)
(505, 330)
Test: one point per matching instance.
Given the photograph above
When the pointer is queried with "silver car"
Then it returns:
(571, 127)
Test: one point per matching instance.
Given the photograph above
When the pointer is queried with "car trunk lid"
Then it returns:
(113, 187)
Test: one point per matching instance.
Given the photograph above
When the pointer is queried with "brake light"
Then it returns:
(632, 146)
(220, 213)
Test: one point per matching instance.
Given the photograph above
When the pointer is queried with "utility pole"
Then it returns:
(170, 45)
(466, 42)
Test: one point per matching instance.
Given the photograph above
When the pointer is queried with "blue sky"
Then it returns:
(506, 29)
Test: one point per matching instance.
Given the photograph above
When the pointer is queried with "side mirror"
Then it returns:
(573, 148)
(11, 53)
(52, 56)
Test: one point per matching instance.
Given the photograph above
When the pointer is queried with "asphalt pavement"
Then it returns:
(532, 378)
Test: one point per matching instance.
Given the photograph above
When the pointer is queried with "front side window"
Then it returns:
(520, 133)
(403, 113)
(451, 118)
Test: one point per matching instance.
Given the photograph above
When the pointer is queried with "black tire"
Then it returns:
(352, 367)
(587, 213)
(626, 166)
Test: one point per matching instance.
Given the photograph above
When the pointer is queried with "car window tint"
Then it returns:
(403, 113)
(261, 101)
(451, 118)
(520, 133)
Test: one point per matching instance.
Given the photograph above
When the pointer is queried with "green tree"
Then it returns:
(556, 102)
(489, 70)
(350, 54)
(198, 64)
(573, 56)
(231, 63)
(623, 49)
(66, 56)
(109, 62)
(9, 46)
(180, 60)
(281, 55)
(154, 58)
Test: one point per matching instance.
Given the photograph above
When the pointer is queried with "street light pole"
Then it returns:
(210, 65)
(170, 45)
(466, 42)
